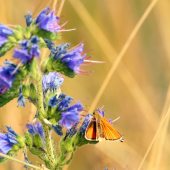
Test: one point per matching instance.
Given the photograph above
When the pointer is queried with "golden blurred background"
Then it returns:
(137, 91)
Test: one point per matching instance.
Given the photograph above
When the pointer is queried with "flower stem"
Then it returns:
(49, 146)
(21, 162)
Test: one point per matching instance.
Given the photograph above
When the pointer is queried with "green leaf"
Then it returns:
(62, 146)
(38, 141)
(47, 164)
(36, 151)
(33, 92)
(6, 47)
(68, 161)
(32, 68)
(4, 100)
(25, 91)
(47, 34)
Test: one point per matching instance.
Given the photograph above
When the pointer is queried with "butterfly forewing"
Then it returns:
(91, 131)
(109, 132)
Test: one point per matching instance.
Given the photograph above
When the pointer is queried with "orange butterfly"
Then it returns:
(99, 128)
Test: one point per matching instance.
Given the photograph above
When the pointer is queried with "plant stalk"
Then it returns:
(49, 146)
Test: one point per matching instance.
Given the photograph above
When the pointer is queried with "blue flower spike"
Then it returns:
(67, 61)
(47, 20)
(4, 33)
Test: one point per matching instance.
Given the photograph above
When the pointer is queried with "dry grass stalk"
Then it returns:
(156, 134)
(124, 73)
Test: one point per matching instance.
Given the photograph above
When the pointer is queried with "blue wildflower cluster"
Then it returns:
(10, 143)
(7, 76)
(67, 62)
(4, 33)
(41, 84)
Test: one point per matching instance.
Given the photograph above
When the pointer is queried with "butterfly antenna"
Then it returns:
(102, 107)
(116, 119)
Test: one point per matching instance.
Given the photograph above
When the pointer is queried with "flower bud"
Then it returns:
(25, 91)
(50, 65)
(44, 64)
(27, 33)
(33, 68)
(12, 39)
(69, 144)
(33, 92)
(18, 35)
(21, 141)
(28, 139)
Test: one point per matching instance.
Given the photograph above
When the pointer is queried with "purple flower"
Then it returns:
(42, 15)
(110, 121)
(53, 101)
(48, 21)
(3, 40)
(70, 116)
(65, 103)
(35, 40)
(101, 112)
(11, 131)
(52, 81)
(34, 51)
(85, 123)
(7, 76)
(59, 50)
(74, 59)
(77, 106)
(37, 128)
(72, 131)
(24, 44)
(62, 96)
(4, 33)
(28, 19)
(58, 129)
(24, 55)
(7, 140)
(21, 99)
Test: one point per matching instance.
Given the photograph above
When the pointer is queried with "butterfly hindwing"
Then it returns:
(91, 131)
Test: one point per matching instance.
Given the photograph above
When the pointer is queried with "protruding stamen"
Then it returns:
(67, 30)
(75, 46)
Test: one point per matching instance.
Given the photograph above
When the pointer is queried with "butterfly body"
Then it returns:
(100, 128)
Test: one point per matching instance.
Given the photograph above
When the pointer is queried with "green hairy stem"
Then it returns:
(49, 146)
